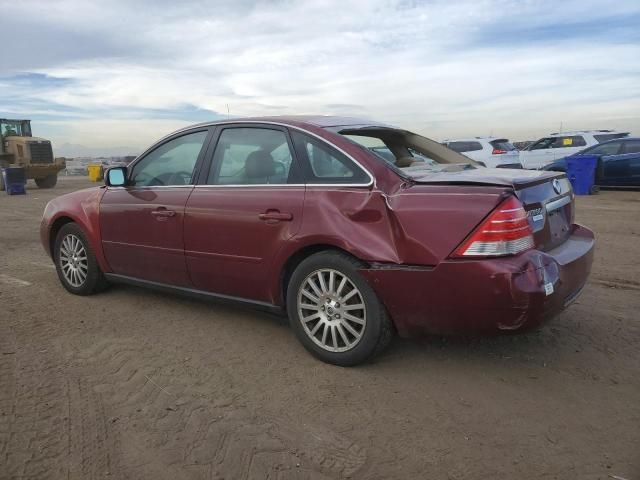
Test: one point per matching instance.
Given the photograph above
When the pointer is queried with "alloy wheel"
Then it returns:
(332, 310)
(73, 260)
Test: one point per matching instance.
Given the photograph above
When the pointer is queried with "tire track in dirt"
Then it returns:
(200, 424)
(32, 400)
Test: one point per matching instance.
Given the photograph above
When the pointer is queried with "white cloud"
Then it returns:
(442, 68)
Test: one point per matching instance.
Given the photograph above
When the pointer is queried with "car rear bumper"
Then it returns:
(487, 295)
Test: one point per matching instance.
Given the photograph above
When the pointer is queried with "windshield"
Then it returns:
(406, 151)
(17, 128)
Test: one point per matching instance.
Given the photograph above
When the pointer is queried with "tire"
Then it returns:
(87, 280)
(48, 181)
(594, 189)
(1, 181)
(354, 342)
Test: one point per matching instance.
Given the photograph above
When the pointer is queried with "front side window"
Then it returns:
(542, 144)
(171, 164)
(324, 164)
(632, 146)
(251, 156)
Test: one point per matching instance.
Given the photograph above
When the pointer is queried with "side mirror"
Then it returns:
(116, 177)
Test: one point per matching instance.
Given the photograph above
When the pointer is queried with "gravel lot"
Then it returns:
(136, 384)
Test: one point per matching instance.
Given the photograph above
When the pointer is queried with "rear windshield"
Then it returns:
(609, 136)
(502, 144)
(404, 151)
(461, 147)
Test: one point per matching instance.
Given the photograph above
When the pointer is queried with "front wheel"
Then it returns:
(47, 182)
(76, 264)
(334, 312)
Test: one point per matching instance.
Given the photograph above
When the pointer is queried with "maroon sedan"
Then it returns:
(354, 228)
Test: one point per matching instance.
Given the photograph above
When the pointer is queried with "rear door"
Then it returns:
(567, 145)
(142, 224)
(243, 209)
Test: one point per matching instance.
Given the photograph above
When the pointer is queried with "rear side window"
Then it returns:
(323, 164)
(609, 136)
(569, 141)
(502, 144)
(632, 146)
(462, 147)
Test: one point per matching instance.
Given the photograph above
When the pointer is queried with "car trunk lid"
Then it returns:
(547, 197)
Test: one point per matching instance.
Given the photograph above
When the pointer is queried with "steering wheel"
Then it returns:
(143, 179)
(180, 178)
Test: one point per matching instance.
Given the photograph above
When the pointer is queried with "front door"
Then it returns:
(248, 205)
(142, 223)
(623, 169)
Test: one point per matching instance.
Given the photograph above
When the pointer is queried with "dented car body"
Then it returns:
(233, 229)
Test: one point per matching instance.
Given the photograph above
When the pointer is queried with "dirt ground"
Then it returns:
(136, 384)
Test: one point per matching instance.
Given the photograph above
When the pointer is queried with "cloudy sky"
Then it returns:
(123, 73)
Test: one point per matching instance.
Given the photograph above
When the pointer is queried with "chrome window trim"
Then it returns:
(279, 124)
(279, 185)
(148, 187)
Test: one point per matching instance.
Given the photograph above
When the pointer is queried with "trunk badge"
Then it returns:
(557, 187)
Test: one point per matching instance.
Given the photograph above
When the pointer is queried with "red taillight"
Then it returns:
(498, 151)
(506, 231)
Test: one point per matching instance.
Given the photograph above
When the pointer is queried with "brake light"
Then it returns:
(498, 151)
(506, 231)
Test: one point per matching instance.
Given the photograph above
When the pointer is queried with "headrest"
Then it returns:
(259, 164)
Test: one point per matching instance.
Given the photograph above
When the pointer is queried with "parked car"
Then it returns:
(618, 162)
(558, 145)
(296, 215)
(487, 151)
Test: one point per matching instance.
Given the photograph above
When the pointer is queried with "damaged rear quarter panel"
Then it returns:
(429, 222)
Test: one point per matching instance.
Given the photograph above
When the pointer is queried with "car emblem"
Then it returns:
(557, 187)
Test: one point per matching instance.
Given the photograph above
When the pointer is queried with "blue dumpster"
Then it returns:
(581, 170)
(15, 180)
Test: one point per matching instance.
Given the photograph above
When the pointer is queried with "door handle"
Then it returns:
(163, 213)
(275, 216)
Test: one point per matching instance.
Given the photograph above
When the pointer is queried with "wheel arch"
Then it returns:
(297, 258)
(55, 228)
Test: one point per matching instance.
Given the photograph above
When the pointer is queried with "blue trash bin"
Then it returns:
(15, 180)
(581, 170)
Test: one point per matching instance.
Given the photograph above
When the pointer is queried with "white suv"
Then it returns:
(560, 145)
(489, 151)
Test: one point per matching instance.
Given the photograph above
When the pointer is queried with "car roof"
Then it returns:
(474, 139)
(623, 139)
(578, 132)
(315, 120)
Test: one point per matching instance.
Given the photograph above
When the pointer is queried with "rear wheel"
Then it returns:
(76, 264)
(1, 181)
(48, 181)
(334, 312)
(594, 189)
